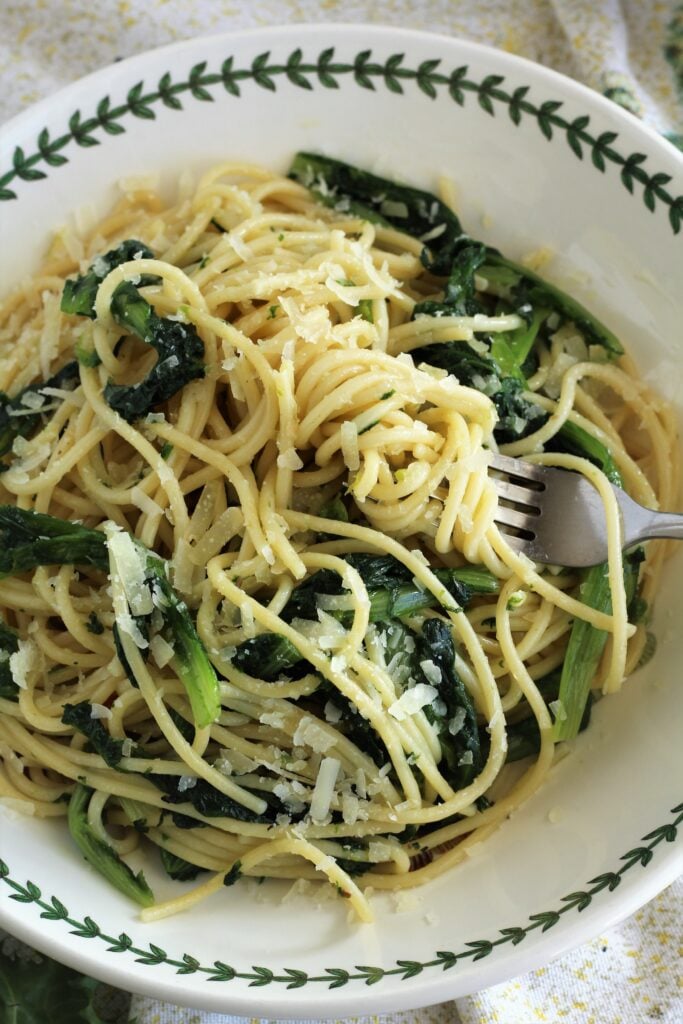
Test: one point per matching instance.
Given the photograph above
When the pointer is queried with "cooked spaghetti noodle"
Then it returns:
(318, 441)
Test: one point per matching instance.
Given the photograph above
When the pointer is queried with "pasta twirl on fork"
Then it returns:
(255, 604)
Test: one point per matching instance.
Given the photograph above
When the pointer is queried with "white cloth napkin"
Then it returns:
(631, 51)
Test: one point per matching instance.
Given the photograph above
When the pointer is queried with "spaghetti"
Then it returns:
(280, 633)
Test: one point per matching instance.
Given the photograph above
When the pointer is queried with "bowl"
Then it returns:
(537, 161)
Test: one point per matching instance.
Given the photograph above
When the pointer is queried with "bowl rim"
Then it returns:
(556, 943)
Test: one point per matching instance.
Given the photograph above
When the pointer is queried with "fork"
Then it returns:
(556, 516)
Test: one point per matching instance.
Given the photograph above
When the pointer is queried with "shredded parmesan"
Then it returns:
(23, 662)
(412, 701)
(324, 789)
(100, 711)
(349, 444)
(128, 562)
(310, 733)
(161, 650)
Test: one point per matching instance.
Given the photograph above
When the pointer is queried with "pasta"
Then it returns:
(281, 633)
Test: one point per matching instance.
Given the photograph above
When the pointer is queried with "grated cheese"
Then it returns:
(338, 663)
(324, 789)
(30, 457)
(275, 719)
(289, 460)
(558, 710)
(406, 901)
(412, 701)
(186, 782)
(76, 398)
(349, 444)
(100, 711)
(396, 208)
(23, 662)
(333, 714)
(432, 672)
(312, 325)
(127, 624)
(161, 651)
(32, 400)
(127, 563)
(457, 721)
(349, 808)
(310, 733)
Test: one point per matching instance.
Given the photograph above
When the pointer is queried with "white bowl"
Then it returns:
(538, 161)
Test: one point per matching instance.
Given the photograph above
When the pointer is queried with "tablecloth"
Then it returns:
(632, 52)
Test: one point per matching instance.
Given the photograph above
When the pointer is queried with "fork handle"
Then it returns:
(656, 524)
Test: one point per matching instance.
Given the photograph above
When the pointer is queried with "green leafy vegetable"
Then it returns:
(86, 356)
(177, 868)
(79, 716)
(456, 720)
(37, 990)
(353, 867)
(80, 293)
(392, 592)
(9, 644)
(142, 816)
(365, 310)
(577, 441)
(510, 349)
(415, 658)
(210, 802)
(335, 509)
(21, 415)
(350, 190)
(179, 347)
(234, 874)
(586, 642)
(516, 416)
(524, 736)
(185, 728)
(267, 656)
(29, 539)
(457, 257)
(584, 650)
(93, 625)
(190, 660)
(100, 854)
(449, 253)
(352, 724)
(459, 294)
(391, 588)
(524, 286)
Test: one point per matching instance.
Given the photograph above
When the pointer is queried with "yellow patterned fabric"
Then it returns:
(632, 52)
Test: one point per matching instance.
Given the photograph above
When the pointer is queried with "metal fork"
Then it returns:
(558, 517)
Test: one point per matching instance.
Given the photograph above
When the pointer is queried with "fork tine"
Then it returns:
(520, 495)
(515, 518)
(557, 517)
(518, 468)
